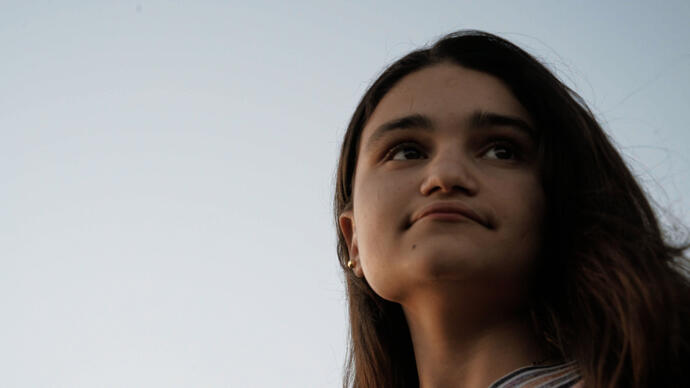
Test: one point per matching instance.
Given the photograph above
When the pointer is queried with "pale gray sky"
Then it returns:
(167, 169)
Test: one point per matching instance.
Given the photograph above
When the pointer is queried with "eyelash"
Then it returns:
(390, 152)
(509, 144)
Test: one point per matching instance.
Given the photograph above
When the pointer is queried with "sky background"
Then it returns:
(166, 169)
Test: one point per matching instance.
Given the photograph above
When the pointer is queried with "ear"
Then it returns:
(346, 221)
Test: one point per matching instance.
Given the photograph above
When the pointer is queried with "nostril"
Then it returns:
(448, 179)
(464, 189)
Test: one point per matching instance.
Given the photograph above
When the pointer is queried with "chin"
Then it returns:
(445, 255)
(455, 265)
(465, 262)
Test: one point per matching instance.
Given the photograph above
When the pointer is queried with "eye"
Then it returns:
(502, 151)
(405, 151)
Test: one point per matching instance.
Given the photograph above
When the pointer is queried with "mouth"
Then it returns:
(449, 211)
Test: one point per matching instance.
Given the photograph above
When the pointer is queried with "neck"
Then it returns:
(460, 344)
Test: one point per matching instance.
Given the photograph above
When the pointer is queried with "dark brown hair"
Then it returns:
(612, 293)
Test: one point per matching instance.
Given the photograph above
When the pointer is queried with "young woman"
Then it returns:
(491, 235)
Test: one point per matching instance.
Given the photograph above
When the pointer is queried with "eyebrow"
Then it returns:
(482, 119)
(478, 120)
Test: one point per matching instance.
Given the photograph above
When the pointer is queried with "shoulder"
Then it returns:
(560, 375)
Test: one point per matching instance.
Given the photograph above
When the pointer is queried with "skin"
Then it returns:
(460, 280)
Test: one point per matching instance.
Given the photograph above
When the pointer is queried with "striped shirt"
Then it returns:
(563, 375)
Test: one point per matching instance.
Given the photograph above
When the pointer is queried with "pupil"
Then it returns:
(411, 154)
(503, 153)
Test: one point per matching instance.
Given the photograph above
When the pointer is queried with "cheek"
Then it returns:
(376, 225)
(522, 210)
(533, 210)
(518, 195)
(380, 209)
(379, 205)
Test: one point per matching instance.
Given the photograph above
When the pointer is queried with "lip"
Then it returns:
(449, 211)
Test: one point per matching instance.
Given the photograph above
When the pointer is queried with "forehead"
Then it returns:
(446, 92)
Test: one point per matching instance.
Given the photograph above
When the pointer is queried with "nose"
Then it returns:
(449, 172)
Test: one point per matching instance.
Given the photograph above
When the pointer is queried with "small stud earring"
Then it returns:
(350, 264)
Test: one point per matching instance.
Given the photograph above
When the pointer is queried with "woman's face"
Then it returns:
(446, 187)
